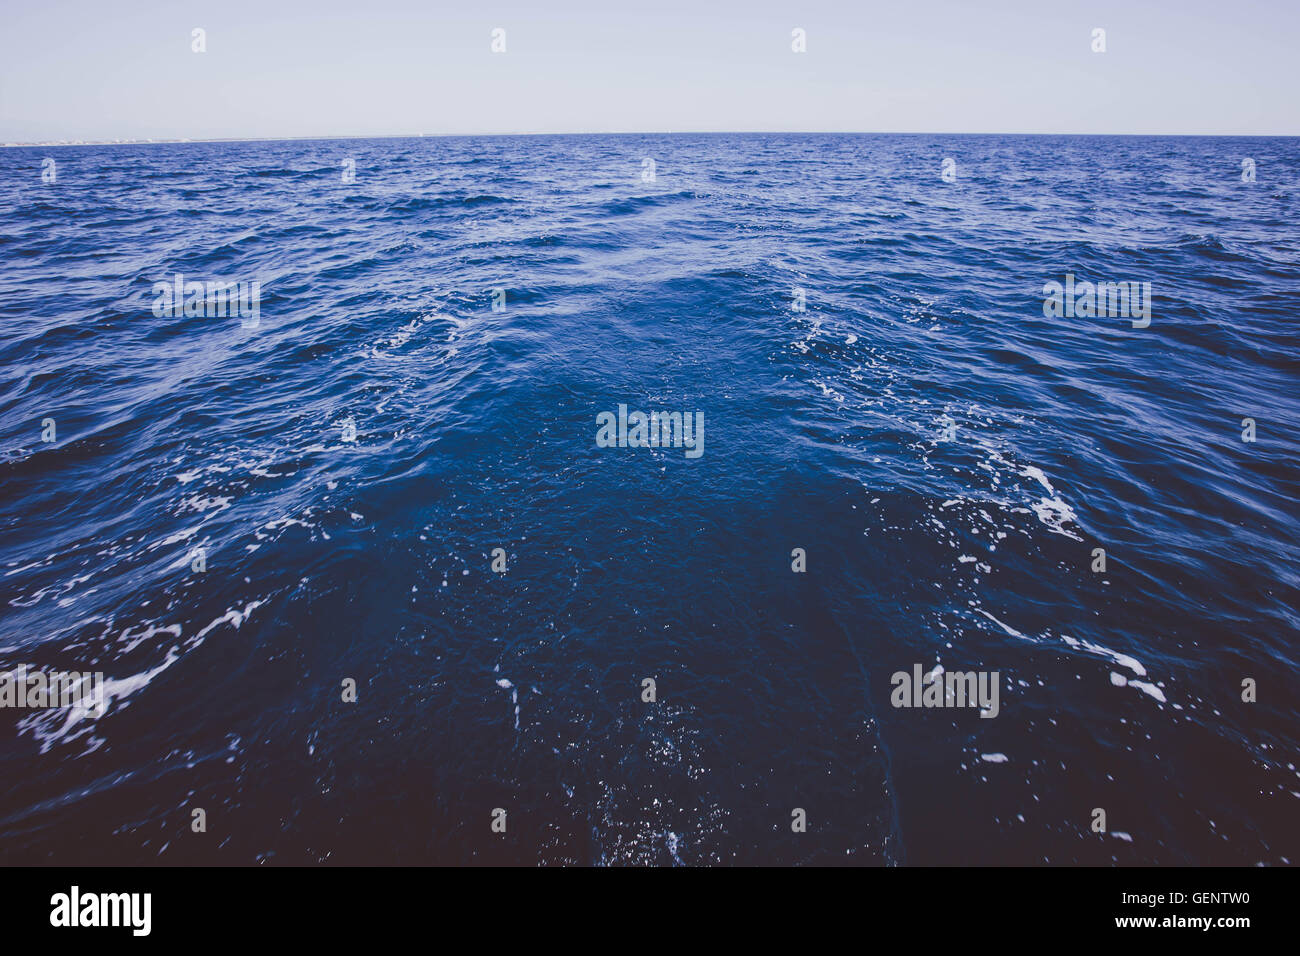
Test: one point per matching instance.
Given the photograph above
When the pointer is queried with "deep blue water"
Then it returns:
(331, 557)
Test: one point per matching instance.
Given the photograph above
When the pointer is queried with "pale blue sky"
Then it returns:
(89, 69)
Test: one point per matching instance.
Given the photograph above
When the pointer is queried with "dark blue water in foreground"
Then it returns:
(369, 558)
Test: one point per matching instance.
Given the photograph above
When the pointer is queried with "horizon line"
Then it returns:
(172, 141)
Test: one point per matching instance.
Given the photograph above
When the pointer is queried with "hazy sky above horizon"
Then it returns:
(80, 69)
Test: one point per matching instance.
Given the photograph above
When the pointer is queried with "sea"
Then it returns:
(306, 452)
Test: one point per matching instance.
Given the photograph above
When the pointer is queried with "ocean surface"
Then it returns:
(948, 457)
